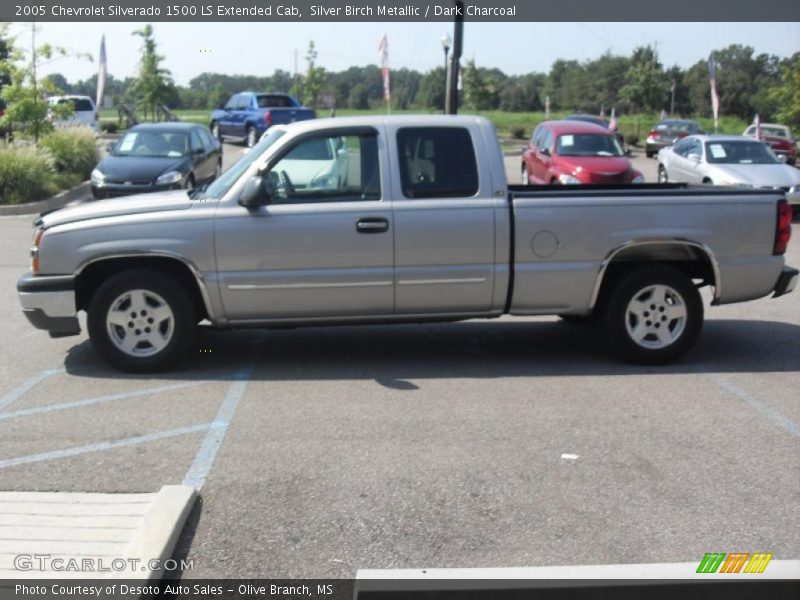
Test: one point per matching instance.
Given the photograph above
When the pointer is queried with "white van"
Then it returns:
(84, 112)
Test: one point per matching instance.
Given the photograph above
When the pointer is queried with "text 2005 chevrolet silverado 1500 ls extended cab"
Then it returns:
(398, 219)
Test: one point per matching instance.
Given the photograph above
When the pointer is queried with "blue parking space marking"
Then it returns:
(204, 459)
(111, 445)
(26, 386)
(773, 415)
(25, 412)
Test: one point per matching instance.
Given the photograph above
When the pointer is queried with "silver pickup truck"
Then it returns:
(398, 219)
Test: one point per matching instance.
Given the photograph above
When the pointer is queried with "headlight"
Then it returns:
(638, 179)
(568, 179)
(98, 178)
(169, 177)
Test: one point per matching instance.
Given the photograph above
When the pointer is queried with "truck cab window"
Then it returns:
(437, 162)
(328, 168)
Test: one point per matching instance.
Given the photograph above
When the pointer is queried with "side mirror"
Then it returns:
(694, 156)
(782, 158)
(197, 151)
(545, 151)
(110, 147)
(258, 191)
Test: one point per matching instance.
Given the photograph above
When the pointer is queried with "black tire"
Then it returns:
(651, 350)
(215, 131)
(189, 183)
(250, 138)
(649, 154)
(183, 323)
(662, 174)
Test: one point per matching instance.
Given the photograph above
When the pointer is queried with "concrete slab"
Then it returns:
(89, 535)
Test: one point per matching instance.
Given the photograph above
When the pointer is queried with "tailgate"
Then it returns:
(282, 116)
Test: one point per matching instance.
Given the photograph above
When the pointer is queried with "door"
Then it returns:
(202, 161)
(678, 163)
(543, 156)
(444, 223)
(323, 247)
(226, 121)
(240, 114)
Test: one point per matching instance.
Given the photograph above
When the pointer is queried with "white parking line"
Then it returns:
(752, 401)
(101, 446)
(20, 390)
(25, 412)
(204, 459)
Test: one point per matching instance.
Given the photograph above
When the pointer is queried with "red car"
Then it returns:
(571, 152)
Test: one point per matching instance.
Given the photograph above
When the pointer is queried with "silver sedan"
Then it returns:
(727, 160)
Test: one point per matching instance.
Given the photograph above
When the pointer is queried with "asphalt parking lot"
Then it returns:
(343, 448)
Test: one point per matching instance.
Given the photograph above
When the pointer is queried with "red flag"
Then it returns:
(612, 123)
(383, 53)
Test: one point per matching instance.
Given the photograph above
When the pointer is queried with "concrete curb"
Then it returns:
(79, 193)
(156, 537)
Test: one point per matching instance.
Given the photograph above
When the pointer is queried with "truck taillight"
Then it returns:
(654, 134)
(268, 118)
(783, 228)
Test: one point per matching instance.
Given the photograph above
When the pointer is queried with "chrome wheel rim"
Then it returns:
(215, 131)
(662, 176)
(525, 180)
(656, 316)
(140, 323)
(251, 138)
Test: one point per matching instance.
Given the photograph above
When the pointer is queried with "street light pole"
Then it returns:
(455, 59)
(446, 43)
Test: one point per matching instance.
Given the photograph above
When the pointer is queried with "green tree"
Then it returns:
(23, 90)
(358, 98)
(646, 87)
(786, 94)
(315, 77)
(153, 85)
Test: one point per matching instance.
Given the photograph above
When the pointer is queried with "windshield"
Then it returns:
(740, 153)
(222, 184)
(588, 144)
(156, 144)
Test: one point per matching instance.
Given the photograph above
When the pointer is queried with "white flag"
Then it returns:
(101, 74)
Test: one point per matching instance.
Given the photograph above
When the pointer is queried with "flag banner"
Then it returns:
(101, 74)
(612, 122)
(757, 123)
(383, 52)
(712, 79)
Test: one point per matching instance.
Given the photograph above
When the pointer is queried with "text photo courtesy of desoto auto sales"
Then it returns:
(425, 300)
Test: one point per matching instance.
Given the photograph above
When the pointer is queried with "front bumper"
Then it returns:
(48, 302)
(786, 282)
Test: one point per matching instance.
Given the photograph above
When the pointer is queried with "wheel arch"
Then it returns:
(91, 274)
(695, 259)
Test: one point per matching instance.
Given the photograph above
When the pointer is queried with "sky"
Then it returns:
(260, 48)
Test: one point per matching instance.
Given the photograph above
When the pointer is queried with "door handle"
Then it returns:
(372, 225)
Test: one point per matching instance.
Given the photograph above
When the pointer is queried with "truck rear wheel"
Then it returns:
(653, 315)
(141, 321)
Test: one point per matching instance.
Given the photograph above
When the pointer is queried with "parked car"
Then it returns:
(5, 130)
(153, 157)
(779, 138)
(597, 120)
(421, 226)
(572, 152)
(728, 160)
(667, 132)
(246, 116)
(83, 113)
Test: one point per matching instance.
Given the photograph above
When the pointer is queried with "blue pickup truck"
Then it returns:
(247, 115)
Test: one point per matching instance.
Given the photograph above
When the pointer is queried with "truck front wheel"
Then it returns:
(653, 315)
(250, 136)
(141, 320)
